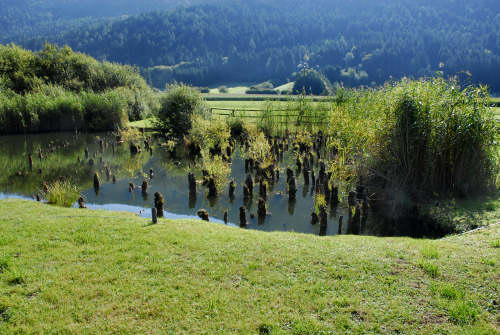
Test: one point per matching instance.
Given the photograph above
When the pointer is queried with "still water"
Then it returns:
(64, 156)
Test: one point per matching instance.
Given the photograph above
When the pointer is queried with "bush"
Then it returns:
(223, 89)
(210, 134)
(204, 90)
(177, 107)
(57, 89)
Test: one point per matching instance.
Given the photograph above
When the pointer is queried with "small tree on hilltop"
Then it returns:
(177, 106)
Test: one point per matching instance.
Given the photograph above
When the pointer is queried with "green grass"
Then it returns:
(145, 124)
(89, 272)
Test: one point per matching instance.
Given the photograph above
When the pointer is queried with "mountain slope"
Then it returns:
(356, 42)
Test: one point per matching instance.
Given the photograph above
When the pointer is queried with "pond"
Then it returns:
(70, 156)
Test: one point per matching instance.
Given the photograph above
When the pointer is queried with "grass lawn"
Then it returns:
(146, 123)
(70, 271)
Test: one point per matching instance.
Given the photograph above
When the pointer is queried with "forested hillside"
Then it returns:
(357, 42)
(25, 19)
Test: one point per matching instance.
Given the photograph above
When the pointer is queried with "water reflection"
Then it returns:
(80, 157)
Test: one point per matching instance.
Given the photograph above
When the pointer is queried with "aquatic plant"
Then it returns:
(61, 193)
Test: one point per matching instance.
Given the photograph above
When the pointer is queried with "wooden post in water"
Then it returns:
(292, 188)
(323, 220)
(97, 181)
(159, 204)
(154, 215)
(262, 210)
(192, 183)
(212, 188)
(232, 188)
(314, 218)
(243, 217)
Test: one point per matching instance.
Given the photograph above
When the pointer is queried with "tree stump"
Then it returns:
(159, 204)
(203, 214)
(81, 203)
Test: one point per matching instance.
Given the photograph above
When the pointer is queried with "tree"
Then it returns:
(310, 82)
(177, 106)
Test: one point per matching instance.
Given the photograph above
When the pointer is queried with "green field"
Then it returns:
(76, 271)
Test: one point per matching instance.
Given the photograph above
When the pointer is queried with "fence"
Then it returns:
(281, 116)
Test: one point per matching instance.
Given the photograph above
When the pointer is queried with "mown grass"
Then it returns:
(148, 123)
(78, 271)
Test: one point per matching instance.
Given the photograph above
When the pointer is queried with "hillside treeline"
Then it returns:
(355, 43)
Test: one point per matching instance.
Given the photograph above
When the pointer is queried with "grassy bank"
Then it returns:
(78, 271)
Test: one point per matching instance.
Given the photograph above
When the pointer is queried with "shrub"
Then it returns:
(177, 106)
(223, 89)
(204, 90)
(212, 135)
(61, 193)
